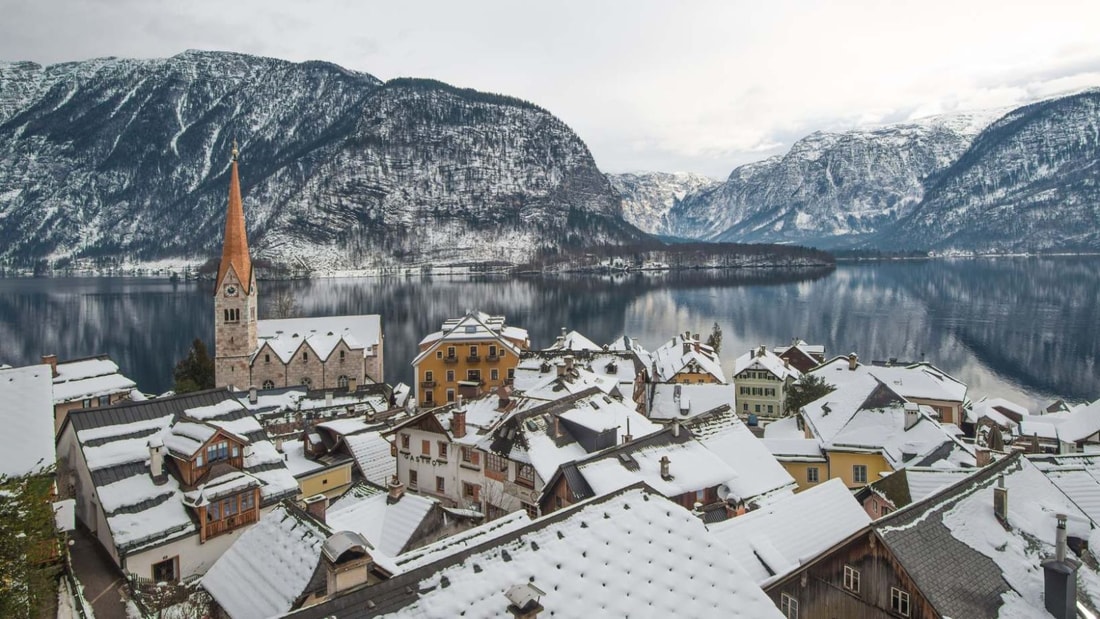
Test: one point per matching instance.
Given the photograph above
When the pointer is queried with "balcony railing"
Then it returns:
(473, 358)
(492, 357)
(428, 383)
(450, 359)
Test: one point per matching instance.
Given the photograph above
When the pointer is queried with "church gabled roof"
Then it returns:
(235, 245)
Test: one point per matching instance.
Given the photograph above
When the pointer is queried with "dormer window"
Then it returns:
(218, 451)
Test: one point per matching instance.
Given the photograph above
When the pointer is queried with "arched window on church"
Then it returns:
(269, 384)
(342, 381)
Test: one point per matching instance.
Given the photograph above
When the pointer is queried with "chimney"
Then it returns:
(665, 475)
(316, 506)
(982, 457)
(557, 427)
(786, 363)
(912, 414)
(1060, 578)
(676, 393)
(156, 459)
(279, 444)
(504, 398)
(397, 490)
(253, 395)
(568, 363)
(676, 428)
(51, 360)
(687, 347)
(328, 398)
(627, 437)
(353, 384)
(524, 601)
(1000, 501)
(347, 562)
(458, 421)
(853, 361)
(561, 369)
(761, 350)
(695, 337)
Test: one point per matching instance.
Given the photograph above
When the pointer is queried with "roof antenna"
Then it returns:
(234, 152)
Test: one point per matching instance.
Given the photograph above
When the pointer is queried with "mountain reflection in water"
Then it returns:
(1023, 328)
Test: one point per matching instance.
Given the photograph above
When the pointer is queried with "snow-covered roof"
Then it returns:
(88, 378)
(389, 527)
(772, 541)
(953, 536)
(573, 341)
(794, 449)
(371, 453)
(538, 367)
(26, 413)
(676, 401)
(474, 327)
(621, 556)
(913, 484)
(765, 360)
(268, 567)
(1077, 476)
(684, 354)
(756, 471)
(863, 413)
(692, 467)
(919, 381)
(1079, 423)
(554, 387)
(115, 444)
(463, 540)
(810, 350)
(285, 336)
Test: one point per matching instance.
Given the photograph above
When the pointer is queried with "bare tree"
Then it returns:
(283, 305)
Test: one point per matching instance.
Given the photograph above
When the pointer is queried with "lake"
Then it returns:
(1023, 328)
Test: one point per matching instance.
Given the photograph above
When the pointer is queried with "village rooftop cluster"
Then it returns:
(574, 479)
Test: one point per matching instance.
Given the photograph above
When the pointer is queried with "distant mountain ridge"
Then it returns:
(649, 196)
(1003, 181)
(119, 158)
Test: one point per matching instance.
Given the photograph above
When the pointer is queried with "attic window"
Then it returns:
(471, 328)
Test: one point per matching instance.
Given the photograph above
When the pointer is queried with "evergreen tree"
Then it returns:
(196, 370)
(714, 340)
(28, 545)
(807, 389)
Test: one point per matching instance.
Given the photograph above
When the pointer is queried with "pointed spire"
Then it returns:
(235, 247)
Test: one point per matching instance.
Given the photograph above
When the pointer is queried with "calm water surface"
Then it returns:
(1025, 328)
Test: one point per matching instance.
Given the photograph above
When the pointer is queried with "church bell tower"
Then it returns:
(236, 297)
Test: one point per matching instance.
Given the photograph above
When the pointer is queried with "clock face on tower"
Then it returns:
(230, 291)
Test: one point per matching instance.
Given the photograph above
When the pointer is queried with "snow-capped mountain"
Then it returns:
(831, 188)
(129, 159)
(649, 196)
(1029, 183)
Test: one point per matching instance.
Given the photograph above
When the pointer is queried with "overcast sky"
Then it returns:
(697, 86)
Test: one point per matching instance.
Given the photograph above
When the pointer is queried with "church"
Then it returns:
(321, 353)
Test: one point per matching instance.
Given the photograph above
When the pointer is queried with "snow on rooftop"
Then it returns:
(26, 412)
(680, 354)
(321, 334)
(675, 401)
(372, 455)
(756, 471)
(387, 526)
(344, 426)
(268, 567)
(794, 449)
(765, 360)
(462, 540)
(772, 541)
(924, 482)
(619, 557)
(88, 378)
(920, 381)
(221, 409)
(296, 461)
(692, 467)
(574, 341)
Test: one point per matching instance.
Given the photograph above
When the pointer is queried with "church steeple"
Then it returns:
(235, 247)
(236, 297)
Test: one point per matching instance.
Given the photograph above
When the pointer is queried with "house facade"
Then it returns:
(468, 356)
(165, 485)
(761, 379)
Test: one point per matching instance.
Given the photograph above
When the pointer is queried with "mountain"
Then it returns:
(830, 189)
(1029, 183)
(117, 158)
(649, 196)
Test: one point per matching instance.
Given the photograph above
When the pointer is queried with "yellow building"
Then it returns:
(860, 432)
(686, 360)
(468, 356)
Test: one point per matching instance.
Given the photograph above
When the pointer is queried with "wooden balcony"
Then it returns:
(214, 528)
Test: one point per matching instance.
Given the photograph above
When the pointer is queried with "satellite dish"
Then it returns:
(723, 491)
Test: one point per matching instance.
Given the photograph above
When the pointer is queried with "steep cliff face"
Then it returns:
(830, 189)
(129, 159)
(649, 196)
(1029, 182)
